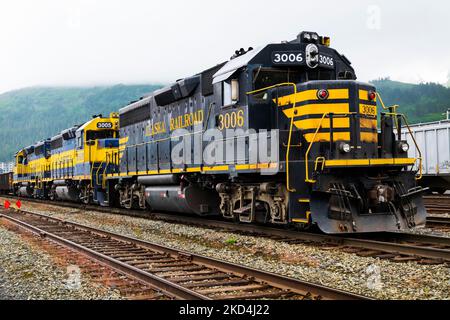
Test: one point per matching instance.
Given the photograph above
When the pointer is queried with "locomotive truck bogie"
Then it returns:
(266, 202)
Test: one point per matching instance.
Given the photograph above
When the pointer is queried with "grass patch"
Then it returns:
(231, 241)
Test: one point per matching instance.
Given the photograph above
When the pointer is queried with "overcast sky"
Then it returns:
(88, 42)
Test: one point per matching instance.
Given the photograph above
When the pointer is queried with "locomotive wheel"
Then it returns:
(86, 199)
(85, 196)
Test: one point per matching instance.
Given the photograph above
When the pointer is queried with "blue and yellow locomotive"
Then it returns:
(70, 165)
(281, 134)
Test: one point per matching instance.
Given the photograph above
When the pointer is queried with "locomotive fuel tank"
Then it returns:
(67, 193)
(190, 199)
(166, 179)
(25, 191)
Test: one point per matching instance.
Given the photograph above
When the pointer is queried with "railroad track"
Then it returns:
(176, 274)
(437, 204)
(395, 246)
(130, 288)
(438, 222)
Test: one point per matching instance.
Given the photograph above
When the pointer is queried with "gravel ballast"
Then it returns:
(29, 273)
(382, 279)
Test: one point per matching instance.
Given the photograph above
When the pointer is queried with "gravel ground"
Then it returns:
(432, 232)
(26, 272)
(369, 276)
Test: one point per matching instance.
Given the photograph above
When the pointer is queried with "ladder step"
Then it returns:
(243, 209)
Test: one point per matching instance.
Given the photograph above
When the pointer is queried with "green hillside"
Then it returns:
(419, 102)
(37, 113)
(40, 112)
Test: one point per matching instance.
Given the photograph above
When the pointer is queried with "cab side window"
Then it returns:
(230, 92)
(80, 141)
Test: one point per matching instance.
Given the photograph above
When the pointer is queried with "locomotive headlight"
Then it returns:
(344, 147)
(312, 55)
(403, 146)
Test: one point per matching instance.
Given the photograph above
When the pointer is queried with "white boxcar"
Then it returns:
(433, 139)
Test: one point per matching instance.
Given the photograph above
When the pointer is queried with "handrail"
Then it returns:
(414, 140)
(392, 109)
(96, 172)
(104, 170)
(307, 179)
(393, 112)
(294, 85)
(322, 160)
(112, 160)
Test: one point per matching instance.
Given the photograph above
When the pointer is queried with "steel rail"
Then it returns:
(300, 287)
(438, 221)
(388, 245)
(158, 283)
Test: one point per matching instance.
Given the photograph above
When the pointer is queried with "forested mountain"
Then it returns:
(31, 114)
(419, 102)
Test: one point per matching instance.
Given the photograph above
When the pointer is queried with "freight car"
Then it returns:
(281, 134)
(6, 182)
(433, 139)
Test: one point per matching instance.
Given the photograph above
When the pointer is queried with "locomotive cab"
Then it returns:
(96, 155)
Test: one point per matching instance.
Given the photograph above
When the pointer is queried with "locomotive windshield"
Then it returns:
(102, 134)
(265, 77)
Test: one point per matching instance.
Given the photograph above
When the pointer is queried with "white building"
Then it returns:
(6, 166)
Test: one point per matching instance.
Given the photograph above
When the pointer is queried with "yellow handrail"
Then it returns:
(92, 174)
(414, 140)
(322, 161)
(288, 185)
(104, 170)
(97, 176)
(307, 179)
(393, 108)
